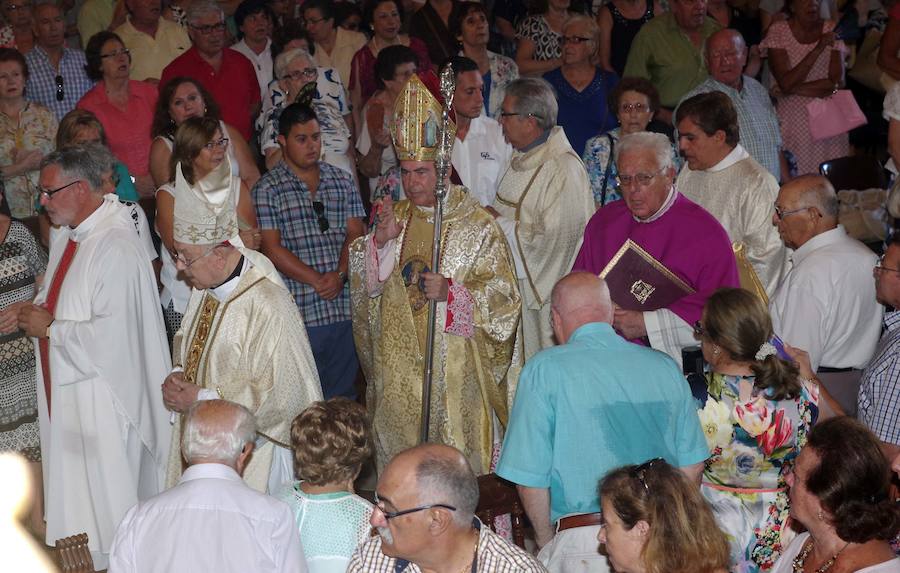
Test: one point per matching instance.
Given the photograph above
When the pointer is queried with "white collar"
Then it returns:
(211, 470)
(829, 237)
(667, 204)
(735, 155)
(85, 227)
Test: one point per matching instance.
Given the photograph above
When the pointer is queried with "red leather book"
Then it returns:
(637, 281)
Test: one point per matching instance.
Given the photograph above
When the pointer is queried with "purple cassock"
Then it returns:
(681, 235)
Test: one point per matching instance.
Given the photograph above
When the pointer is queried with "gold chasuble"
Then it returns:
(475, 374)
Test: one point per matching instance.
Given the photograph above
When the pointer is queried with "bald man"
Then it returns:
(425, 517)
(211, 520)
(726, 57)
(826, 304)
(625, 402)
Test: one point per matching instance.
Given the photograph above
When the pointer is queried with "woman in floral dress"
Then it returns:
(756, 417)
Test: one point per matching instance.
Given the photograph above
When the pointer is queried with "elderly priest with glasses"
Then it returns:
(661, 254)
(242, 338)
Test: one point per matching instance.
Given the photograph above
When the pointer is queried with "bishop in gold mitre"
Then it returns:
(242, 337)
(476, 352)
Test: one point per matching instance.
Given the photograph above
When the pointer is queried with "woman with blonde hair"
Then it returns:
(757, 413)
(655, 521)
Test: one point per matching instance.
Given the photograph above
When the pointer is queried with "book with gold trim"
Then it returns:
(637, 281)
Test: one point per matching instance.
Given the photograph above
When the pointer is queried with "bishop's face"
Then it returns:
(419, 181)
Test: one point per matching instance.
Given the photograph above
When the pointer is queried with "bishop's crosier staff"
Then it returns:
(442, 166)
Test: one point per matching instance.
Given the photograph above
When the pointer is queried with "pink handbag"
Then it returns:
(834, 115)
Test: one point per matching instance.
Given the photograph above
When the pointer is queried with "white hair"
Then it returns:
(658, 143)
(212, 437)
(202, 8)
(284, 59)
(534, 97)
(592, 28)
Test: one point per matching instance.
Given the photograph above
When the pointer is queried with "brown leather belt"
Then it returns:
(583, 520)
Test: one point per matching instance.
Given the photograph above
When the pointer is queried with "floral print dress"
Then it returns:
(754, 441)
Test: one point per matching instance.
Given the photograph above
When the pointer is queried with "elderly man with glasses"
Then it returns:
(425, 518)
(241, 337)
(826, 303)
(227, 74)
(682, 240)
(102, 353)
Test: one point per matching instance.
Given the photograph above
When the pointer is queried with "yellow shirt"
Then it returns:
(149, 55)
(346, 44)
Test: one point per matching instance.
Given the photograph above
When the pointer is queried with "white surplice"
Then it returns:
(105, 440)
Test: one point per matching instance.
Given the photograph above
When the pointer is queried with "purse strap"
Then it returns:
(612, 149)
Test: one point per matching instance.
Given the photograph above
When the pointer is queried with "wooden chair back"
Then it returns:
(73, 555)
(855, 172)
(499, 497)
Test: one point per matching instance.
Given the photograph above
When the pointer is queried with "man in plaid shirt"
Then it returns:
(309, 212)
(879, 390)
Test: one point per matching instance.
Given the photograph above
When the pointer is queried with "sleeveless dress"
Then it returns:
(623, 33)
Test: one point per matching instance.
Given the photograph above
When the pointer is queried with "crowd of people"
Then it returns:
(646, 314)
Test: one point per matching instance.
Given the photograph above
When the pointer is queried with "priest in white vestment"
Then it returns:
(242, 338)
(724, 179)
(543, 203)
(102, 351)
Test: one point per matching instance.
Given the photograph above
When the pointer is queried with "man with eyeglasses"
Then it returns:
(724, 179)
(154, 41)
(726, 57)
(475, 352)
(102, 353)
(826, 303)
(879, 389)
(56, 73)
(672, 229)
(226, 74)
(543, 202)
(241, 337)
(595, 393)
(425, 518)
(668, 51)
(309, 212)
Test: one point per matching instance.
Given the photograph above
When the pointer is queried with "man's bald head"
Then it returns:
(726, 56)
(808, 207)
(813, 191)
(217, 431)
(577, 299)
(442, 475)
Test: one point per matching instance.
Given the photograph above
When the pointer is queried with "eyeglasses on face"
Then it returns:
(304, 74)
(781, 213)
(60, 92)
(210, 28)
(221, 143)
(49, 193)
(388, 515)
(514, 113)
(20, 6)
(574, 40)
(633, 107)
(180, 258)
(116, 53)
(642, 179)
(881, 268)
(319, 208)
(640, 472)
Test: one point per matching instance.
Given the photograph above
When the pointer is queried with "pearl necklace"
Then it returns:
(800, 560)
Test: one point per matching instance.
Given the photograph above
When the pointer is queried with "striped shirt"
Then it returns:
(494, 555)
(879, 389)
(283, 203)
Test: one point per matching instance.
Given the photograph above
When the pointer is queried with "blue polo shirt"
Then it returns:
(591, 405)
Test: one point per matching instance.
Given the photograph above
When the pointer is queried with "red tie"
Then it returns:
(50, 304)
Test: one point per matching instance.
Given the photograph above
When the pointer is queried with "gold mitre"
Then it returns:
(416, 125)
(205, 213)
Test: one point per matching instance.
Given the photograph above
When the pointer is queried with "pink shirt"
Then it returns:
(128, 131)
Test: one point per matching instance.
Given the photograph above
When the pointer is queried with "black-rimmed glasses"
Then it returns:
(319, 208)
(512, 113)
(116, 53)
(49, 193)
(388, 515)
(574, 39)
(640, 472)
(60, 91)
(209, 29)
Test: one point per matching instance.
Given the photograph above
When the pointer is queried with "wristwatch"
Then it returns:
(343, 277)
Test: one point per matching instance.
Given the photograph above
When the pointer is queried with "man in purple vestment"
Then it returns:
(676, 231)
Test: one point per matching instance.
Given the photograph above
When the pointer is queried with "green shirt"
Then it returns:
(663, 53)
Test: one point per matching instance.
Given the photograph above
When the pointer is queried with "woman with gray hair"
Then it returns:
(582, 87)
(299, 79)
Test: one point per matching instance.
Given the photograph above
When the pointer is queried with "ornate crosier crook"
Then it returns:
(442, 167)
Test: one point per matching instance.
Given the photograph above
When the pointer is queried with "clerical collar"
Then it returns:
(735, 155)
(542, 138)
(667, 204)
(224, 289)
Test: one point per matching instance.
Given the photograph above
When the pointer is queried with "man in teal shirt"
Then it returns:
(590, 405)
(668, 51)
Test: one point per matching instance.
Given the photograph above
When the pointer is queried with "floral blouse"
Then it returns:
(35, 128)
